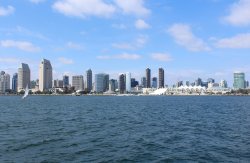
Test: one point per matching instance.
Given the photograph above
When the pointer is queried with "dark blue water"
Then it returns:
(125, 129)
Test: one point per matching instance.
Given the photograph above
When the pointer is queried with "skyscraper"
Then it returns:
(23, 77)
(112, 85)
(65, 81)
(239, 80)
(161, 78)
(89, 80)
(4, 82)
(154, 82)
(148, 78)
(223, 83)
(14, 82)
(128, 82)
(77, 82)
(122, 81)
(143, 82)
(101, 82)
(45, 75)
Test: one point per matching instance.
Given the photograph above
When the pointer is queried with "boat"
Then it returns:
(26, 93)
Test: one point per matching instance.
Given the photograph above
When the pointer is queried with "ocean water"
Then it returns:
(125, 129)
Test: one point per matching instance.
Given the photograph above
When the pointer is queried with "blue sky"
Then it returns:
(189, 39)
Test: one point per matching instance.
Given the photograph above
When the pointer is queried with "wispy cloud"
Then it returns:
(9, 60)
(125, 56)
(4, 11)
(164, 57)
(73, 45)
(184, 36)
(141, 24)
(84, 8)
(37, 1)
(119, 26)
(239, 41)
(66, 61)
(139, 42)
(239, 13)
(134, 7)
(22, 45)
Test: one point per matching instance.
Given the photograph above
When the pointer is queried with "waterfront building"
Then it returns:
(58, 83)
(112, 85)
(161, 78)
(89, 80)
(101, 82)
(23, 77)
(239, 80)
(247, 84)
(148, 78)
(4, 82)
(128, 82)
(187, 83)
(65, 80)
(122, 85)
(134, 83)
(223, 83)
(198, 82)
(45, 75)
(14, 82)
(210, 80)
(179, 83)
(143, 82)
(77, 82)
(33, 84)
(154, 82)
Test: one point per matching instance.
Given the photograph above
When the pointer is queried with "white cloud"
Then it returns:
(236, 42)
(119, 26)
(84, 8)
(9, 60)
(137, 43)
(6, 11)
(66, 61)
(239, 13)
(135, 7)
(125, 56)
(161, 57)
(37, 1)
(141, 24)
(183, 36)
(75, 46)
(22, 45)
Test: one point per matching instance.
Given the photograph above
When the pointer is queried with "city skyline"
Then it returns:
(119, 37)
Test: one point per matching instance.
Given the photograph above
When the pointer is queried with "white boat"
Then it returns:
(26, 92)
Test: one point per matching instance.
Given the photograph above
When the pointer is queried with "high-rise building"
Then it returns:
(122, 85)
(161, 78)
(45, 75)
(223, 83)
(179, 83)
(65, 81)
(210, 80)
(154, 82)
(58, 83)
(101, 82)
(134, 83)
(128, 82)
(246, 84)
(198, 82)
(89, 80)
(14, 82)
(112, 85)
(187, 83)
(239, 80)
(77, 82)
(4, 82)
(143, 82)
(148, 78)
(23, 77)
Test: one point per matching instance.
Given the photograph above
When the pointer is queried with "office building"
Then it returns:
(58, 83)
(128, 82)
(143, 82)
(198, 82)
(187, 83)
(112, 85)
(179, 83)
(101, 82)
(134, 83)
(161, 78)
(23, 77)
(246, 84)
(223, 83)
(65, 81)
(122, 83)
(89, 80)
(77, 82)
(239, 80)
(154, 82)
(210, 80)
(45, 75)
(148, 78)
(14, 82)
(4, 82)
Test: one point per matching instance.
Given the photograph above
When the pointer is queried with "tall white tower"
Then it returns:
(45, 75)
(23, 77)
(128, 82)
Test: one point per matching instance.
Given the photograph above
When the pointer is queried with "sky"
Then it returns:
(189, 39)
